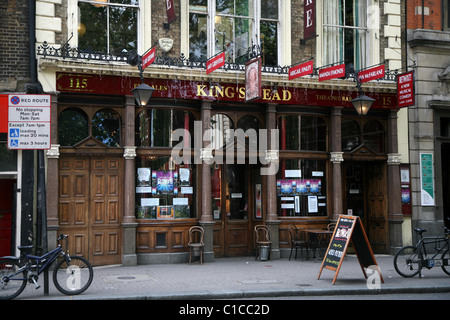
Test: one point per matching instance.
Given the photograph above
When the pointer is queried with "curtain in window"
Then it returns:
(333, 36)
(359, 12)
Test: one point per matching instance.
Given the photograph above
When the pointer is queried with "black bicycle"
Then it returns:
(410, 260)
(72, 275)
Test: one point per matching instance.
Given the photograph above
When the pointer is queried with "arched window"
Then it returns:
(72, 127)
(154, 127)
(373, 136)
(221, 134)
(350, 135)
(106, 127)
(306, 133)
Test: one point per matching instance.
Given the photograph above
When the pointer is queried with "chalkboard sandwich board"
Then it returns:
(348, 228)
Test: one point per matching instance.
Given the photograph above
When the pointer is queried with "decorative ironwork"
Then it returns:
(68, 52)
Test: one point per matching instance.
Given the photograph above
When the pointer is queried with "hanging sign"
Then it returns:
(332, 72)
(29, 122)
(309, 19)
(301, 70)
(170, 11)
(148, 58)
(215, 62)
(372, 74)
(405, 89)
(348, 228)
(253, 89)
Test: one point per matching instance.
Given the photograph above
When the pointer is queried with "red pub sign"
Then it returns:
(201, 90)
(405, 89)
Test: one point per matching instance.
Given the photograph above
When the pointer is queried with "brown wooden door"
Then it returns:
(377, 207)
(232, 210)
(90, 206)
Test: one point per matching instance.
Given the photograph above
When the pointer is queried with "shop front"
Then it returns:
(132, 180)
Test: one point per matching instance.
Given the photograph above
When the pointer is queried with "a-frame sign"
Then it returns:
(348, 228)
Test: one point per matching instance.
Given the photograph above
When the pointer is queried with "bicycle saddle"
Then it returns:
(420, 231)
(24, 247)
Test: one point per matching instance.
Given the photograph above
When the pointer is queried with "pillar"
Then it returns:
(206, 220)
(129, 224)
(336, 158)
(272, 220)
(395, 216)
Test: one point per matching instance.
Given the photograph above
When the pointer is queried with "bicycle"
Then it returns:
(410, 260)
(72, 275)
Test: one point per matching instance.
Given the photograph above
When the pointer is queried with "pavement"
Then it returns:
(244, 278)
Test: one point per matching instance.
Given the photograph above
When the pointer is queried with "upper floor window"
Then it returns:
(446, 14)
(108, 26)
(238, 25)
(345, 32)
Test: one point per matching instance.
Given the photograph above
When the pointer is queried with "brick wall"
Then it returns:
(159, 18)
(14, 46)
(431, 17)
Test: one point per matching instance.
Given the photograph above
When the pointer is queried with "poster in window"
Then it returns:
(253, 89)
(184, 177)
(143, 177)
(164, 182)
(165, 212)
(258, 202)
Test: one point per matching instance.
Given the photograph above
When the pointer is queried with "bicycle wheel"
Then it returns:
(408, 261)
(73, 277)
(12, 282)
(446, 259)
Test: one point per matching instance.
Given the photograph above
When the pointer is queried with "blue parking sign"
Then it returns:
(14, 133)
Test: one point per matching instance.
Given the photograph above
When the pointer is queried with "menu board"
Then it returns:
(348, 228)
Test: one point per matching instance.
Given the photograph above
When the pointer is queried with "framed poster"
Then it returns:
(253, 89)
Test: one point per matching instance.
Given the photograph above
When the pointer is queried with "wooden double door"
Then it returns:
(91, 206)
(237, 205)
(366, 196)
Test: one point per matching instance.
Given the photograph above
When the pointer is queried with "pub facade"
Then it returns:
(127, 181)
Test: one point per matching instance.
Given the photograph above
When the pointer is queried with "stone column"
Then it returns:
(336, 158)
(206, 220)
(395, 216)
(53, 178)
(129, 223)
(272, 220)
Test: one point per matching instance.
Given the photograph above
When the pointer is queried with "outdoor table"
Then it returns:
(320, 238)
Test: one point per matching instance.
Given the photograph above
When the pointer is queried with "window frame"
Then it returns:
(255, 36)
(74, 20)
(373, 35)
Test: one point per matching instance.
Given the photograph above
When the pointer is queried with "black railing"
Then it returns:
(67, 52)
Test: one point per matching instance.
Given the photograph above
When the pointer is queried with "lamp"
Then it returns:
(142, 94)
(362, 104)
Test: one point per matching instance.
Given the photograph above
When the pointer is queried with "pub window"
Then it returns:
(108, 26)
(345, 32)
(106, 128)
(301, 188)
(154, 127)
(373, 136)
(350, 134)
(221, 131)
(236, 24)
(72, 127)
(307, 133)
(164, 190)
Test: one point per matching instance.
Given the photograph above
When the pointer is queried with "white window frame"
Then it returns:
(283, 29)
(372, 36)
(144, 9)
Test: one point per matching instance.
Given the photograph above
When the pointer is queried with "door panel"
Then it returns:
(90, 207)
(230, 194)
